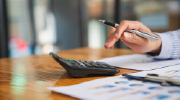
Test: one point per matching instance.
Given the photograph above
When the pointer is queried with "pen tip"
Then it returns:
(102, 21)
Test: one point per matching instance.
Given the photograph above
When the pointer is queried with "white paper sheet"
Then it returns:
(138, 62)
(119, 88)
(168, 71)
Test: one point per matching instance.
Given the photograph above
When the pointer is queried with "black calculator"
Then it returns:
(80, 68)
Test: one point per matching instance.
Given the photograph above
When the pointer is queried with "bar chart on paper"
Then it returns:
(120, 88)
(139, 62)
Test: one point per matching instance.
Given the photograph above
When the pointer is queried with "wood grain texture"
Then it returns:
(27, 78)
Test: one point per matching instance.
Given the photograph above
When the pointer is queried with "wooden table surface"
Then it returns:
(27, 78)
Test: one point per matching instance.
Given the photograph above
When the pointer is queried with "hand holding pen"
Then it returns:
(135, 42)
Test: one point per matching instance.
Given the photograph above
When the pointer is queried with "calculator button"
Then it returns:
(103, 63)
(73, 63)
(107, 65)
(84, 62)
(87, 64)
(69, 60)
(103, 66)
(81, 61)
(111, 67)
(81, 64)
(95, 64)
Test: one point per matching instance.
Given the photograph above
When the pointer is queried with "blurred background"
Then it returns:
(40, 26)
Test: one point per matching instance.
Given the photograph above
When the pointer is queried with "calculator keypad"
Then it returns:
(91, 64)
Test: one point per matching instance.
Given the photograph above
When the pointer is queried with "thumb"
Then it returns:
(132, 38)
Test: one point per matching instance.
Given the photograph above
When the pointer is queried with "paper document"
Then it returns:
(138, 62)
(169, 71)
(120, 88)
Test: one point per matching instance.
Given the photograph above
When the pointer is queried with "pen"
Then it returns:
(165, 81)
(141, 33)
(139, 78)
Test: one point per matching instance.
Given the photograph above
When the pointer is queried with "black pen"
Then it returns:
(141, 33)
(109, 23)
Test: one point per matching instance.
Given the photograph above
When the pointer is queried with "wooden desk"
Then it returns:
(27, 78)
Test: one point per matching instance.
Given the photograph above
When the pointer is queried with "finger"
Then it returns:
(124, 25)
(111, 38)
(112, 47)
(110, 42)
(133, 38)
(128, 25)
(111, 32)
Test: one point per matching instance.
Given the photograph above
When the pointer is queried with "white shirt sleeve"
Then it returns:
(170, 47)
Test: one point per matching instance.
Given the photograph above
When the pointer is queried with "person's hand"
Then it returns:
(133, 41)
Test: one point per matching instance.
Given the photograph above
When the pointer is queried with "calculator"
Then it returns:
(80, 68)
